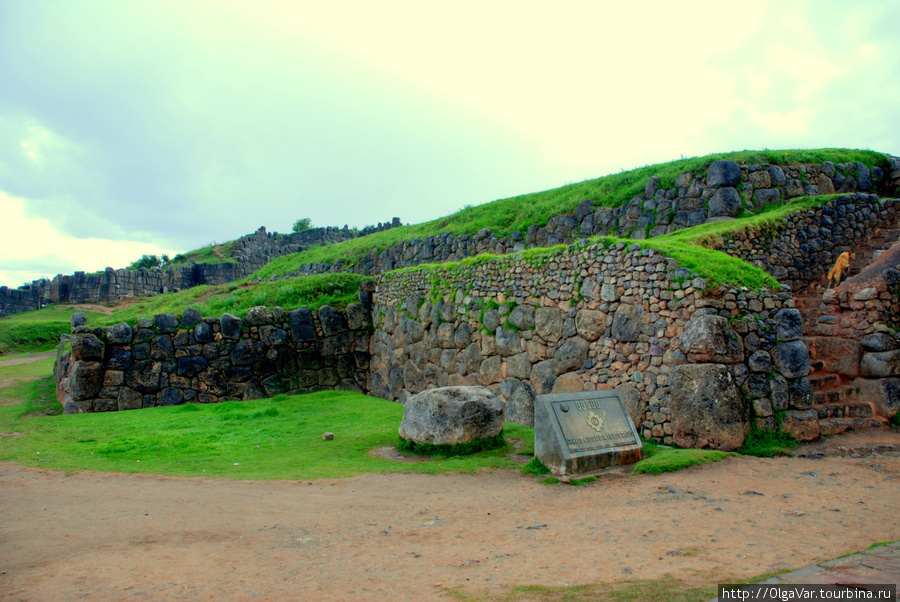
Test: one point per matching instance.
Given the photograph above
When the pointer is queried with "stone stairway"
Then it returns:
(835, 352)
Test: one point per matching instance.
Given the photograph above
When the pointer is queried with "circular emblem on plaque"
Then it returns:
(595, 422)
(564, 407)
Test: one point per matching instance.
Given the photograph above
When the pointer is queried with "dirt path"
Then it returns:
(110, 536)
(27, 359)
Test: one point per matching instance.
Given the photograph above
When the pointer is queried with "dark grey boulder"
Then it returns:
(879, 341)
(231, 326)
(86, 347)
(258, 316)
(626, 323)
(791, 359)
(788, 324)
(170, 397)
(272, 336)
(117, 358)
(302, 326)
(248, 352)
(191, 366)
(86, 380)
(726, 202)
(118, 334)
(333, 321)
(165, 322)
(451, 416)
(190, 318)
(203, 333)
(507, 342)
(79, 318)
(711, 339)
(706, 408)
(800, 392)
(144, 376)
(760, 361)
(571, 355)
(723, 173)
(520, 408)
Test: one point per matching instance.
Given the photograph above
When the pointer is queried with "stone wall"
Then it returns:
(17, 300)
(800, 249)
(581, 319)
(723, 191)
(249, 253)
(171, 360)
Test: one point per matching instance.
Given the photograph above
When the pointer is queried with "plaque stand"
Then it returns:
(575, 433)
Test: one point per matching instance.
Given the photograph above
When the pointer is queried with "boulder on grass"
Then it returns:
(451, 416)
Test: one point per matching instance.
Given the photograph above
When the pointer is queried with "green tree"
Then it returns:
(302, 224)
(146, 261)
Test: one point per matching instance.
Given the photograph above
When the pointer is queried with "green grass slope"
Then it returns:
(518, 213)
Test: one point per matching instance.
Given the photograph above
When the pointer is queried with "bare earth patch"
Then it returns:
(408, 536)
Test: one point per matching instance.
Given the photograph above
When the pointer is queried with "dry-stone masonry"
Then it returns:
(249, 253)
(171, 360)
(583, 319)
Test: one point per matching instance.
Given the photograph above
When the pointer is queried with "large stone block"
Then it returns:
(507, 342)
(548, 323)
(520, 408)
(86, 347)
(723, 173)
(302, 326)
(706, 408)
(726, 202)
(883, 392)
(571, 355)
(841, 356)
(711, 339)
(880, 364)
(522, 317)
(451, 416)
(590, 324)
(166, 322)
(789, 324)
(626, 324)
(231, 326)
(144, 376)
(333, 321)
(118, 334)
(791, 359)
(86, 380)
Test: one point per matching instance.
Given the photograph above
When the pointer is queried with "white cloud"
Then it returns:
(31, 248)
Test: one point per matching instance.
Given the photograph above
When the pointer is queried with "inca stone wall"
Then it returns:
(171, 360)
(800, 249)
(582, 319)
(249, 253)
(13, 301)
(725, 190)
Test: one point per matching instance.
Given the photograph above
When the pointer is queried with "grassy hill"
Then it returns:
(518, 213)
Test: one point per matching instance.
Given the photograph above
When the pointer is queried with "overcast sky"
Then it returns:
(132, 127)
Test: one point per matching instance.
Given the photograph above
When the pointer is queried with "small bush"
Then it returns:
(535, 468)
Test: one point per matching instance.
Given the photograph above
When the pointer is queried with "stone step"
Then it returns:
(844, 410)
(834, 426)
(824, 381)
(834, 396)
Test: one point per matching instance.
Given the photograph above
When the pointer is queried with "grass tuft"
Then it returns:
(447, 451)
(659, 459)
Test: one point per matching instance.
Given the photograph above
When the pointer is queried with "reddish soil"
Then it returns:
(399, 536)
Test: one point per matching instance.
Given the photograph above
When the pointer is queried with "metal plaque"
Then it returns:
(582, 432)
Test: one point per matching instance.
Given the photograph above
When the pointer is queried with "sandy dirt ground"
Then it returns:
(412, 537)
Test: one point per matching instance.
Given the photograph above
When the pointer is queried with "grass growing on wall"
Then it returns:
(337, 290)
(518, 213)
(207, 254)
(34, 331)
